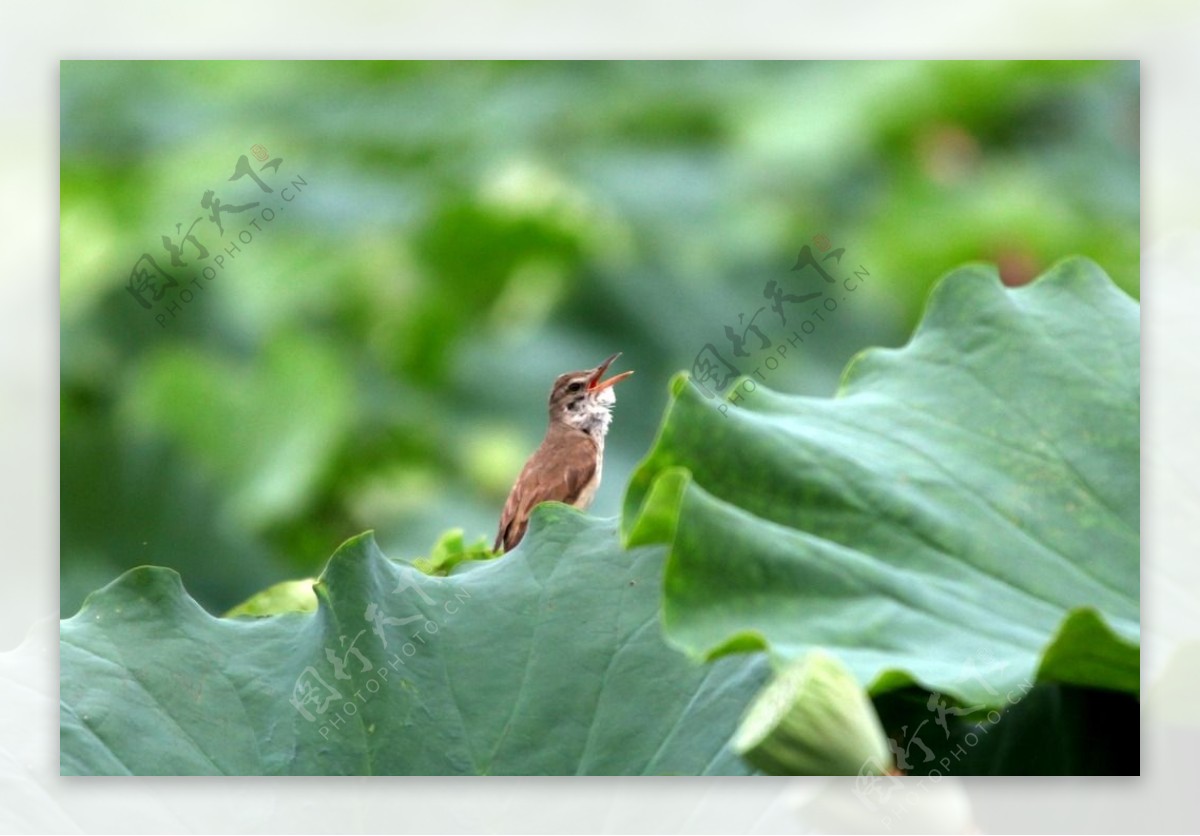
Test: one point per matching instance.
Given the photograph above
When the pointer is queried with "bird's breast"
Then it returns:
(589, 490)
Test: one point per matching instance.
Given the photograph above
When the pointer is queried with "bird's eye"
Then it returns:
(575, 387)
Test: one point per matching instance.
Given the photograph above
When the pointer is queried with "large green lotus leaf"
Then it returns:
(962, 515)
(549, 660)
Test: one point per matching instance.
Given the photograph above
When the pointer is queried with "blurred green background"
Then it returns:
(379, 355)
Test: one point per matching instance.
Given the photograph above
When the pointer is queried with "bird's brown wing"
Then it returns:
(544, 478)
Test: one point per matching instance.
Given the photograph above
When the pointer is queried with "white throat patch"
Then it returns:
(593, 415)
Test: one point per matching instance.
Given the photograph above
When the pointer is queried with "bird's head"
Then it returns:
(584, 401)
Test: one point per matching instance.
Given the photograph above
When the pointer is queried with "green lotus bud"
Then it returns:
(813, 719)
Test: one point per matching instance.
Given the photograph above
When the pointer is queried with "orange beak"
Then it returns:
(596, 385)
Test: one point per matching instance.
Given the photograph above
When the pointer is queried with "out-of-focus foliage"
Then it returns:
(378, 355)
(450, 550)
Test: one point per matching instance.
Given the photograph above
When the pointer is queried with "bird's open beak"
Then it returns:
(596, 385)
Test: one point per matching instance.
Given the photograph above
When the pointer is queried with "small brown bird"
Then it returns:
(566, 467)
